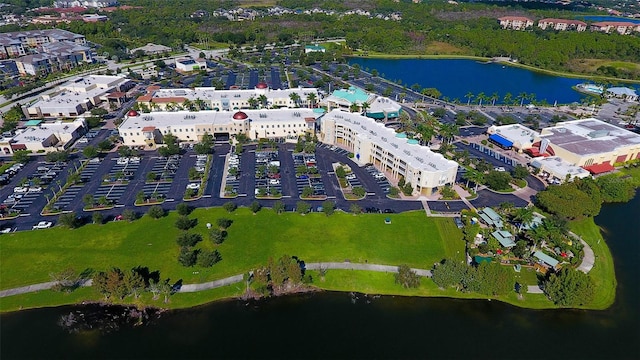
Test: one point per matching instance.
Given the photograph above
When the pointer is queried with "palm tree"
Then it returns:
(522, 97)
(523, 216)
(475, 177)
(188, 105)
(170, 106)
(365, 106)
(449, 131)
(354, 107)
(295, 97)
(508, 98)
(200, 105)
(469, 96)
(253, 102)
(263, 100)
(494, 98)
(311, 98)
(480, 97)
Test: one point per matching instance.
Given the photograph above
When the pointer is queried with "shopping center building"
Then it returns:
(390, 152)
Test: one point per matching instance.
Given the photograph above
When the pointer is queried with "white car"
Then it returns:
(42, 225)
(20, 189)
(274, 182)
(122, 161)
(351, 177)
(35, 189)
(500, 168)
(6, 230)
(194, 186)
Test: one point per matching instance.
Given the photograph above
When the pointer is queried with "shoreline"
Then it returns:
(481, 58)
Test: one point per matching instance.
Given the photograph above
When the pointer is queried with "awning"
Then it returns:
(33, 123)
(599, 168)
(500, 140)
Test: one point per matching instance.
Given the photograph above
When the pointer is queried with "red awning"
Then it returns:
(599, 168)
(148, 129)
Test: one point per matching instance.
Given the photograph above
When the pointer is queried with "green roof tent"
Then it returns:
(504, 238)
(546, 258)
(33, 123)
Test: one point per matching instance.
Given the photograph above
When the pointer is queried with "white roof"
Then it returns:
(558, 167)
(521, 136)
(383, 104)
(211, 94)
(622, 91)
(45, 130)
(164, 119)
(417, 156)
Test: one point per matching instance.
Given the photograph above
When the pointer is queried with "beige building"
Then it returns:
(562, 25)
(392, 153)
(44, 137)
(190, 126)
(515, 22)
(622, 28)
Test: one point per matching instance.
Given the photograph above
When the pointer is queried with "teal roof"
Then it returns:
(412, 141)
(546, 258)
(490, 217)
(401, 135)
(504, 238)
(319, 111)
(314, 47)
(352, 95)
(33, 123)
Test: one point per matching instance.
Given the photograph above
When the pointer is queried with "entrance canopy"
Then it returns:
(500, 141)
(599, 168)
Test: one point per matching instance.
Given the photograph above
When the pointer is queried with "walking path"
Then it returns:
(589, 257)
(188, 288)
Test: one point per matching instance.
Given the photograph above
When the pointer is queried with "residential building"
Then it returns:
(146, 72)
(622, 28)
(208, 98)
(546, 260)
(515, 22)
(14, 44)
(505, 238)
(54, 57)
(94, 18)
(491, 218)
(151, 49)
(78, 95)
(562, 24)
(189, 126)
(189, 64)
(84, 3)
(45, 137)
(394, 154)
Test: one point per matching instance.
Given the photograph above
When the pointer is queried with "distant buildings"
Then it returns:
(44, 137)
(15, 44)
(84, 3)
(314, 48)
(515, 22)
(151, 49)
(376, 107)
(78, 95)
(189, 64)
(622, 28)
(562, 24)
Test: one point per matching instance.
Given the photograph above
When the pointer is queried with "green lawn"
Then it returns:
(29, 257)
(603, 272)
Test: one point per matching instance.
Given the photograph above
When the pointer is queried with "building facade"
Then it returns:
(21, 43)
(44, 137)
(562, 25)
(515, 22)
(394, 154)
(622, 28)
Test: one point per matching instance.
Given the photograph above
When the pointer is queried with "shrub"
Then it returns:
(230, 206)
(217, 236)
(187, 239)
(156, 212)
(183, 209)
(208, 258)
(224, 223)
(184, 223)
(188, 256)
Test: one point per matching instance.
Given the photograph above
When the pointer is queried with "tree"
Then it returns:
(449, 273)
(129, 215)
(205, 144)
(311, 98)
(224, 223)
(255, 206)
(328, 207)
(57, 156)
(217, 236)
(568, 201)
(21, 156)
(188, 239)
(188, 256)
(307, 191)
(358, 191)
(184, 223)
(295, 97)
(90, 152)
(569, 287)
(469, 96)
(523, 216)
(355, 209)
(407, 277)
(520, 172)
(498, 180)
(97, 217)
(230, 206)
(70, 220)
(111, 283)
(67, 280)
(208, 258)
(156, 212)
(88, 200)
(615, 189)
(340, 172)
(278, 207)
(302, 207)
(105, 145)
(183, 209)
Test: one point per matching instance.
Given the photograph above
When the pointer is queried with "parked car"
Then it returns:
(35, 189)
(20, 189)
(42, 225)
(194, 186)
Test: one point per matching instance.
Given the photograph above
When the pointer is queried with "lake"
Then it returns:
(454, 78)
(594, 18)
(337, 325)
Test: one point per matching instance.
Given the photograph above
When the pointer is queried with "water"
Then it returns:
(609, 18)
(454, 78)
(330, 325)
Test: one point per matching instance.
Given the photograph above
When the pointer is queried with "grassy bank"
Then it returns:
(413, 239)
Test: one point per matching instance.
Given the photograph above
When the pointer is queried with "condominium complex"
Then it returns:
(562, 24)
(391, 152)
(621, 27)
(515, 22)
(21, 43)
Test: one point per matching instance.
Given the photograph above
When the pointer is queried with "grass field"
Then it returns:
(29, 257)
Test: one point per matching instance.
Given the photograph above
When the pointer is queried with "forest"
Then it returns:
(433, 28)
